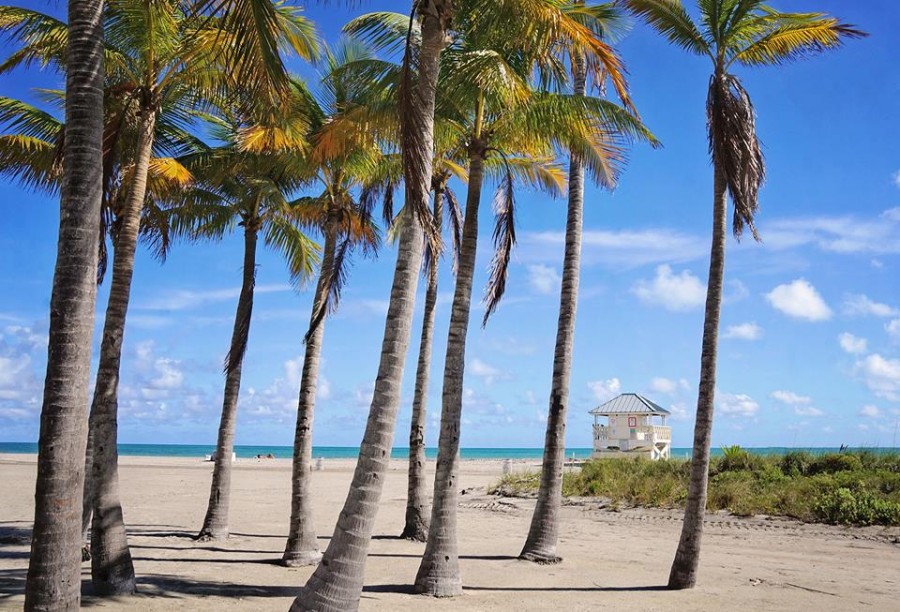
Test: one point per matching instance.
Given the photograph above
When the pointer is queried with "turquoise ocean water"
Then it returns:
(351, 452)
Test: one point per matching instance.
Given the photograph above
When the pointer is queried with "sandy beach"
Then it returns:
(614, 560)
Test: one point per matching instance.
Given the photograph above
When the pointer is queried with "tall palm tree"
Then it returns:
(499, 115)
(418, 508)
(246, 181)
(336, 584)
(156, 51)
(345, 222)
(54, 571)
(730, 33)
(540, 545)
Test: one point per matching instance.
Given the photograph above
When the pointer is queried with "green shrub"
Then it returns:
(830, 463)
(795, 463)
(844, 507)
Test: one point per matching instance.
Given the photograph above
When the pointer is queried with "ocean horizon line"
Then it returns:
(249, 451)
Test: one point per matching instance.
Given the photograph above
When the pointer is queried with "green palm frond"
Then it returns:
(28, 120)
(794, 36)
(31, 162)
(248, 39)
(384, 32)
(546, 174)
(669, 18)
(300, 252)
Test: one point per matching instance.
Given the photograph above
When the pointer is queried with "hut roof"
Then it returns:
(629, 403)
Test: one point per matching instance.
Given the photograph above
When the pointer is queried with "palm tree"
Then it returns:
(488, 78)
(54, 570)
(346, 224)
(161, 52)
(418, 508)
(540, 545)
(245, 182)
(730, 33)
(336, 584)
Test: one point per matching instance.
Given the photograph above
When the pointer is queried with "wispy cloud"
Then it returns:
(802, 404)
(852, 344)
(737, 404)
(186, 299)
(840, 234)
(543, 279)
(862, 305)
(620, 249)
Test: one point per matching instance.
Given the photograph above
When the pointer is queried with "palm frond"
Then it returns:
(455, 215)
(300, 252)
(504, 240)
(792, 39)
(669, 18)
(735, 148)
(332, 278)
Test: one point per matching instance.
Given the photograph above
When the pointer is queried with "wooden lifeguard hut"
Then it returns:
(630, 429)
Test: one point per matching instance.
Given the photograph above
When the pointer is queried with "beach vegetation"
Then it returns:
(851, 488)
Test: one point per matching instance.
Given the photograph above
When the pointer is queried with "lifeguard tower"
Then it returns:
(630, 430)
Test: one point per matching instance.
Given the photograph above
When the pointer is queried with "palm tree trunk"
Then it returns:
(540, 545)
(87, 504)
(302, 546)
(417, 508)
(683, 574)
(215, 524)
(336, 585)
(112, 571)
(54, 569)
(438, 573)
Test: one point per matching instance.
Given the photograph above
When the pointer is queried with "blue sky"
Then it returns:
(810, 340)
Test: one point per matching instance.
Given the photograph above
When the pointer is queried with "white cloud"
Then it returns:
(791, 398)
(11, 368)
(802, 404)
(893, 329)
(485, 371)
(543, 279)
(852, 344)
(364, 307)
(669, 386)
(735, 291)
(896, 178)
(870, 411)
(323, 391)
(743, 331)
(881, 375)
(737, 404)
(605, 390)
(847, 234)
(799, 300)
(811, 411)
(676, 292)
(679, 411)
(862, 305)
(616, 249)
(168, 374)
(185, 299)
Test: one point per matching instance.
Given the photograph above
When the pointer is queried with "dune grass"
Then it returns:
(847, 488)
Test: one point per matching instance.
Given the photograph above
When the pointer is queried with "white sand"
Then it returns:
(613, 560)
